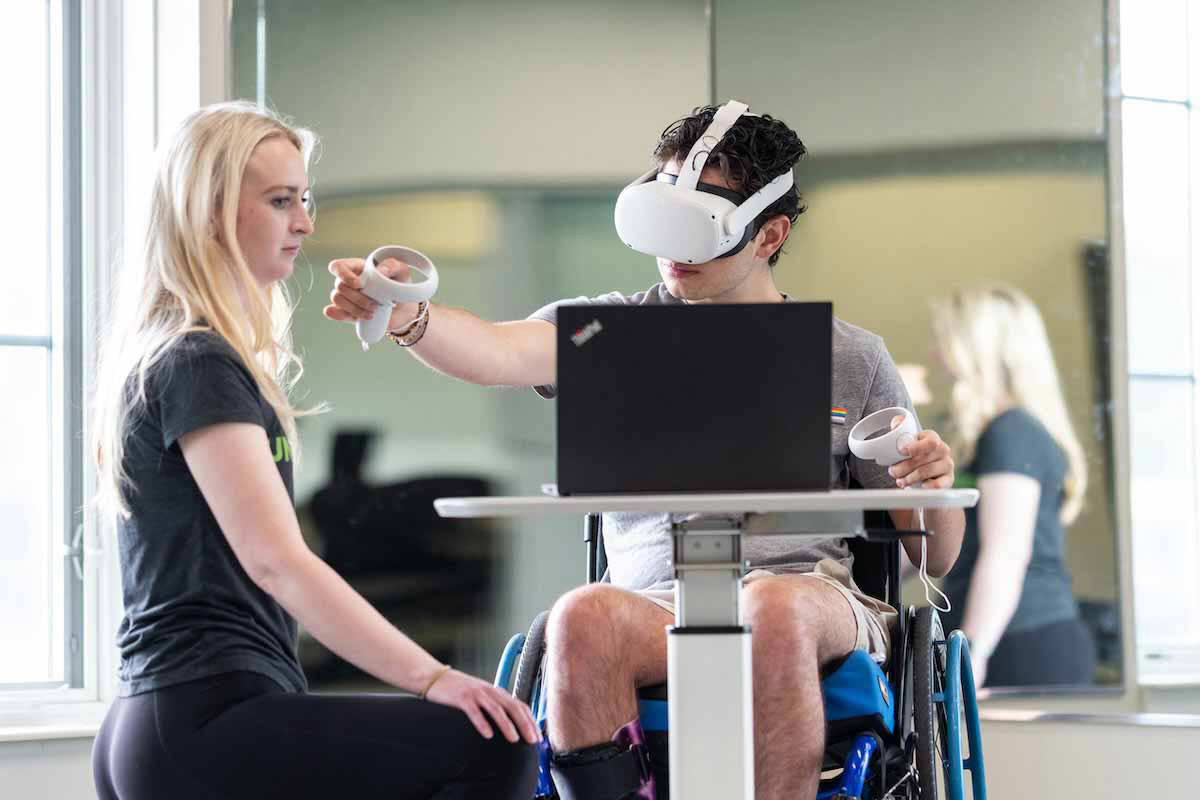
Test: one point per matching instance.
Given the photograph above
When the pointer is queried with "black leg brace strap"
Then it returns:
(602, 772)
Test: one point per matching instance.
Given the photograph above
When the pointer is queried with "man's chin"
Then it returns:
(681, 291)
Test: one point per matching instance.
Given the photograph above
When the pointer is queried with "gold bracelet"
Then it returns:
(442, 670)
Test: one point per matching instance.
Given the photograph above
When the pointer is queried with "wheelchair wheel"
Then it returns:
(530, 663)
(943, 698)
(929, 716)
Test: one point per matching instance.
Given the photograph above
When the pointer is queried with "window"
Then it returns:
(1160, 54)
(41, 487)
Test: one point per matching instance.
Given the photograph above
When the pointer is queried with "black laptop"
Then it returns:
(701, 398)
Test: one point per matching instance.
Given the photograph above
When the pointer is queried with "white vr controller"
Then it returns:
(389, 293)
(874, 438)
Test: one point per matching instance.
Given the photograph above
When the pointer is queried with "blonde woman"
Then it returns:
(196, 444)
(1011, 590)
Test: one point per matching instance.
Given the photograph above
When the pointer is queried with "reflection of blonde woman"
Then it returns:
(1010, 590)
(196, 442)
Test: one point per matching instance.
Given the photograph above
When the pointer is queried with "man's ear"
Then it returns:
(771, 236)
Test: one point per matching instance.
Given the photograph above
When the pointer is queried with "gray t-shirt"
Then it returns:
(865, 379)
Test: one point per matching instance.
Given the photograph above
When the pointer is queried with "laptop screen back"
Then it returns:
(697, 398)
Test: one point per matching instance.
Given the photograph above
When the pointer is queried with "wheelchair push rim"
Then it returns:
(943, 699)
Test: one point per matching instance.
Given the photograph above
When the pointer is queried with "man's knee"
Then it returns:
(582, 622)
(776, 609)
(797, 615)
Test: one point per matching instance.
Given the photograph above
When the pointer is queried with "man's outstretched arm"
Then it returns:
(455, 342)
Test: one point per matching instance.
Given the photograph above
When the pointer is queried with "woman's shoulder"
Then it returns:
(199, 347)
(1016, 422)
(197, 355)
(202, 342)
(1017, 434)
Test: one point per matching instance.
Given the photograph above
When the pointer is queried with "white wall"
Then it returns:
(48, 769)
(864, 76)
(1055, 760)
(473, 91)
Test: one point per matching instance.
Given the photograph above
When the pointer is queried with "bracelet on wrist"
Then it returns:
(442, 670)
(411, 333)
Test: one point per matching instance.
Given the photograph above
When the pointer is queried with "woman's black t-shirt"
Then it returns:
(191, 611)
(1016, 441)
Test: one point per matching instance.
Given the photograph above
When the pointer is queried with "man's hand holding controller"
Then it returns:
(917, 459)
(364, 288)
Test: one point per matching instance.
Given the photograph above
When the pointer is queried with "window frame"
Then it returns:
(1157, 663)
(63, 346)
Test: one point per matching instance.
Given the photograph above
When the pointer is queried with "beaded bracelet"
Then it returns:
(411, 333)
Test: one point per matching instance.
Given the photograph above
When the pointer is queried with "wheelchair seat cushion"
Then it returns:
(858, 696)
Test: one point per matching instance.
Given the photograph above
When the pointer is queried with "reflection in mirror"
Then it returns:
(951, 146)
(954, 147)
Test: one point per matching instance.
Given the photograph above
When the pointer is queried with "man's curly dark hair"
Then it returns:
(756, 150)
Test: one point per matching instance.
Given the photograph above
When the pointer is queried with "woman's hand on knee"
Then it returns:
(479, 700)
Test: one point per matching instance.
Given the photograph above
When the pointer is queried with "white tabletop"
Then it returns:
(727, 503)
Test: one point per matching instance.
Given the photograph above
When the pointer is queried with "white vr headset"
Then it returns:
(689, 222)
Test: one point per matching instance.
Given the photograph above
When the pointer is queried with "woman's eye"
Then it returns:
(281, 202)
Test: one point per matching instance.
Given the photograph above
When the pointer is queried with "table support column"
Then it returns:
(709, 670)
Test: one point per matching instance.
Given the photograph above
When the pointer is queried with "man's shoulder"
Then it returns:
(858, 356)
(853, 342)
(656, 295)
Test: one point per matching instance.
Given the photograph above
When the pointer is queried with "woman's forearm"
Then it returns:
(342, 620)
(992, 598)
(1007, 517)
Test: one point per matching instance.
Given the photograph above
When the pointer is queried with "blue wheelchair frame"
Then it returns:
(869, 714)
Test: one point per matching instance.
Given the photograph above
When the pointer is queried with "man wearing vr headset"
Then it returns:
(715, 211)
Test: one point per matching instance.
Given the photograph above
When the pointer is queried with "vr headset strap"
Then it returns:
(737, 220)
(689, 170)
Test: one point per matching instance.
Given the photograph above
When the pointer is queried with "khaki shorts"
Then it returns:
(872, 617)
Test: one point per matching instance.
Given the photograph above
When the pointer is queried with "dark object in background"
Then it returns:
(431, 577)
(1103, 620)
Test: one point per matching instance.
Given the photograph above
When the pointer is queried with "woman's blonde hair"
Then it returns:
(994, 343)
(193, 277)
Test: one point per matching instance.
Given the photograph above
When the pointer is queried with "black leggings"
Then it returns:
(1055, 654)
(240, 735)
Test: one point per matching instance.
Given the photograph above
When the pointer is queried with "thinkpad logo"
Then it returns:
(580, 337)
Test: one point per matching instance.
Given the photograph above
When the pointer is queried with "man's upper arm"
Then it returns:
(549, 314)
(533, 347)
(884, 389)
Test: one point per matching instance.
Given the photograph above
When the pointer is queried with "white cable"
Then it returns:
(929, 585)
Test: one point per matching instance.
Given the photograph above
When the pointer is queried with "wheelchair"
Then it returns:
(892, 733)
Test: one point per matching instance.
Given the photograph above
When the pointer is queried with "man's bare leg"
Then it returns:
(799, 624)
(601, 644)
